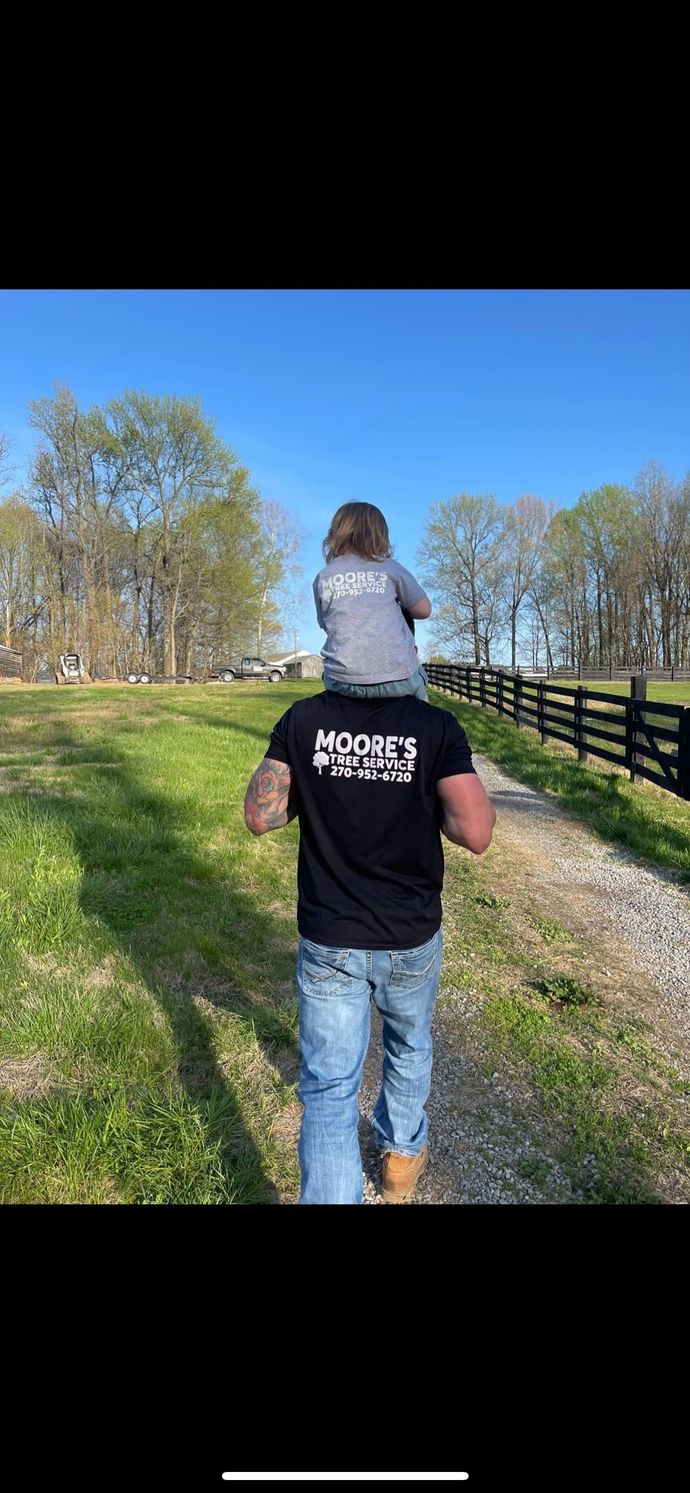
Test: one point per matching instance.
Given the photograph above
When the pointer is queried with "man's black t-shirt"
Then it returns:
(364, 771)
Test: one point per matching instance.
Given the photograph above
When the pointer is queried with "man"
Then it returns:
(373, 783)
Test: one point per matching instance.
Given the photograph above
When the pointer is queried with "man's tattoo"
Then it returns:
(266, 804)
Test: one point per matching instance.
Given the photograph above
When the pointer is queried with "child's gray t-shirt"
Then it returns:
(358, 605)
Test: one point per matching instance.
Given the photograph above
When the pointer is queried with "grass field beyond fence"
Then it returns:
(657, 689)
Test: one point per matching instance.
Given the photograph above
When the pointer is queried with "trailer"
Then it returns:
(143, 677)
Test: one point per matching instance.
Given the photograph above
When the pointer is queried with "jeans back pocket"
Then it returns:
(413, 967)
(320, 969)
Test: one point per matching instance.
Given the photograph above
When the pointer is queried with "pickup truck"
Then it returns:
(249, 668)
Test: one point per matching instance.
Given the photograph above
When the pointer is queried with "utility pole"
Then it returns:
(295, 653)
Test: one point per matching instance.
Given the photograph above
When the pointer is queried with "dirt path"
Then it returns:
(490, 1142)
(638, 914)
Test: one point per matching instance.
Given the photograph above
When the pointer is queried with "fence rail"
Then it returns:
(649, 739)
(671, 675)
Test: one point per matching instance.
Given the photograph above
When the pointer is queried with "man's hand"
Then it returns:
(468, 813)
(266, 802)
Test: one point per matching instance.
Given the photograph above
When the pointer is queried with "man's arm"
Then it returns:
(421, 609)
(468, 813)
(266, 802)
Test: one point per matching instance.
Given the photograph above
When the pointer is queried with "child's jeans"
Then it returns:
(391, 689)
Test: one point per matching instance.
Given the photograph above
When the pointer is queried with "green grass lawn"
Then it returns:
(148, 1018)
(646, 819)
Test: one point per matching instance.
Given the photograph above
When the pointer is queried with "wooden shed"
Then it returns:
(301, 664)
(10, 665)
(309, 667)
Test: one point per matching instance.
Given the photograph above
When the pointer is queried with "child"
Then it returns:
(360, 596)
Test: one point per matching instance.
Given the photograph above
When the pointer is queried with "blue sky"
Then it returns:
(394, 397)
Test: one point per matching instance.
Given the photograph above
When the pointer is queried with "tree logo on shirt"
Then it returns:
(321, 759)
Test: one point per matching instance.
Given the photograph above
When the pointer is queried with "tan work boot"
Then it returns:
(401, 1175)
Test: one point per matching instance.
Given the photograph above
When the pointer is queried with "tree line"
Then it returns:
(606, 582)
(139, 541)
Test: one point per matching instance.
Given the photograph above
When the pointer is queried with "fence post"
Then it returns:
(540, 711)
(482, 686)
(517, 696)
(672, 670)
(499, 692)
(579, 667)
(684, 754)
(638, 691)
(468, 680)
(580, 733)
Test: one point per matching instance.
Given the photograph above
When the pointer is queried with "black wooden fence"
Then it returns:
(648, 738)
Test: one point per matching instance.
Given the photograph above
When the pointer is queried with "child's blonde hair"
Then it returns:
(358, 529)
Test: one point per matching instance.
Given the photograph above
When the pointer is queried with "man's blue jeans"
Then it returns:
(336, 988)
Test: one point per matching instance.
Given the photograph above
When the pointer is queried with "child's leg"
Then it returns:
(342, 687)
(415, 685)
(391, 689)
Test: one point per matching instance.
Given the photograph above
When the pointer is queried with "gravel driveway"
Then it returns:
(481, 1149)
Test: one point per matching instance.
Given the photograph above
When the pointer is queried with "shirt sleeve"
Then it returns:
(455, 755)
(408, 589)
(278, 749)
(317, 604)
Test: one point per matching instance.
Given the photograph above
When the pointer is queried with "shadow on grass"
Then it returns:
(220, 723)
(226, 722)
(188, 931)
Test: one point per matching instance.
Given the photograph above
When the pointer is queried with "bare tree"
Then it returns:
(7, 468)
(526, 522)
(460, 555)
(20, 542)
(664, 509)
(173, 459)
(282, 537)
